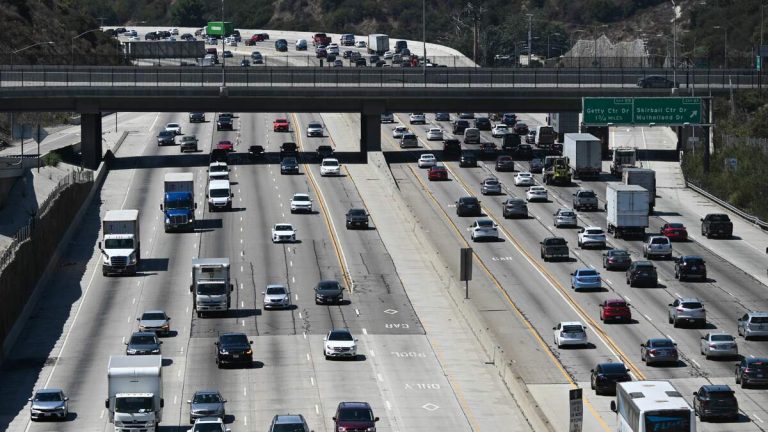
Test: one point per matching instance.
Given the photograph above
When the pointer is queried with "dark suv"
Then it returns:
(483, 123)
(324, 151)
(289, 165)
(605, 376)
(233, 348)
(459, 126)
(642, 272)
(690, 266)
(752, 370)
(468, 159)
(715, 401)
(357, 218)
(354, 416)
(288, 423)
(224, 123)
(468, 206)
(166, 137)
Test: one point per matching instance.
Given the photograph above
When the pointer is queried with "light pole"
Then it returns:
(423, 38)
(223, 46)
(28, 47)
(725, 45)
(72, 44)
(530, 17)
(548, 36)
(674, 41)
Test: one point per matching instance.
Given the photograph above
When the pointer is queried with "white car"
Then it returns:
(417, 118)
(339, 343)
(360, 44)
(301, 202)
(657, 246)
(218, 171)
(330, 166)
(389, 54)
(524, 178)
(591, 236)
(570, 333)
(276, 296)
(333, 49)
(398, 131)
(173, 127)
(536, 193)
(427, 160)
(209, 424)
(483, 228)
(283, 232)
(434, 134)
(499, 130)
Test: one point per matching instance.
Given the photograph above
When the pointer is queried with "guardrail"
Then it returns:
(746, 216)
(369, 77)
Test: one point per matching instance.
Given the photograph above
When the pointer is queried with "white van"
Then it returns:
(545, 136)
(472, 136)
(219, 195)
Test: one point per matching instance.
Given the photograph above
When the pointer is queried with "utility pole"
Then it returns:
(424, 37)
(674, 43)
(223, 47)
(530, 17)
(474, 13)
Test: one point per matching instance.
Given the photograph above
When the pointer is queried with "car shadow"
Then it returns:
(153, 265)
(228, 419)
(590, 290)
(726, 359)
(677, 365)
(167, 361)
(663, 213)
(621, 322)
(257, 365)
(243, 313)
(170, 334)
(208, 224)
(588, 346)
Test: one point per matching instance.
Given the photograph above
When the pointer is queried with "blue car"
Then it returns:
(586, 278)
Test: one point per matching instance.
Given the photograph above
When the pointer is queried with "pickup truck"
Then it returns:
(554, 248)
(584, 199)
(716, 225)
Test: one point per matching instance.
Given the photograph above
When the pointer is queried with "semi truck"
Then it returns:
(642, 177)
(584, 154)
(378, 44)
(626, 210)
(179, 202)
(623, 157)
(135, 392)
(220, 29)
(211, 287)
(121, 242)
(557, 170)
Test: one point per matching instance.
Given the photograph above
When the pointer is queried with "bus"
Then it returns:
(651, 406)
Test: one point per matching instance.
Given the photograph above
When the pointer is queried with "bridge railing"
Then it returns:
(128, 76)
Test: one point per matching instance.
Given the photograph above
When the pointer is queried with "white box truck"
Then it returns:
(584, 152)
(121, 242)
(623, 157)
(378, 43)
(644, 177)
(179, 202)
(626, 210)
(135, 392)
(211, 287)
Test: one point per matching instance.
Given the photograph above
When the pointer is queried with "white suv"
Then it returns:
(417, 118)
(339, 343)
(657, 246)
(209, 424)
(591, 236)
(331, 166)
(283, 232)
(301, 202)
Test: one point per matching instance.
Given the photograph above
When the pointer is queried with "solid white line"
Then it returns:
(243, 321)
(296, 296)
(101, 416)
(242, 303)
(300, 315)
(627, 298)
(304, 334)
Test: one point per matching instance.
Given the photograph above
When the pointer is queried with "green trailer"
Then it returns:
(220, 29)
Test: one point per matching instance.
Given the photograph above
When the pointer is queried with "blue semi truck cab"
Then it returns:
(179, 202)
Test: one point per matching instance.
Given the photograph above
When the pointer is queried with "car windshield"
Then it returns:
(166, 133)
(142, 340)
(351, 414)
(614, 368)
(283, 228)
(659, 240)
(694, 261)
(692, 305)
(586, 194)
(617, 304)
(178, 204)
(301, 197)
(219, 193)
(485, 223)
(315, 126)
(470, 200)
(567, 214)
(133, 405)
(525, 175)
(172, 125)
(587, 273)
(211, 289)
(537, 189)
(573, 329)
(357, 212)
(661, 343)
(645, 266)
(118, 243)
(218, 168)
(759, 320)
(330, 163)
(427, 157)
(288, 427)
(205, 398)
(225, 143)
(340, 335)
(433, 130)
(153, 316)
(207, 427)
(594, 231)
(328, 286)
(721, 338)
(555, 241)
(48, 397)
(491, 182)
(720, 394)
(676, 225)
(233, 339)
(277, 290)
(619, 254)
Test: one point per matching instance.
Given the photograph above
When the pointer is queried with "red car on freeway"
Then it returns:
(437, 172)
(615, 309)
(674, 231)
(280, 125)
(225, 145)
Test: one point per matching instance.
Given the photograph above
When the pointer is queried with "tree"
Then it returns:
(188, 13)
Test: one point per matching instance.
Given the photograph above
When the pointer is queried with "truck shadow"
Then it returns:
(208, 224)
(153, 265)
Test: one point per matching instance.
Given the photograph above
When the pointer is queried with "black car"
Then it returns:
(520, 128)
(468, 206)
(616, 259)
(324, 151)
(329, 291)
(656, 81)
(505, 163)
(219, 155)
(166, 137)
(524, 152)
(442, 116)
(468, 159)
(360, 62)
(752, 370)
(289, 149)
(483, 123)
(605, 376)
(224, 123)
(690, 266)
(196, 117)
(289, 165)
(509, 119)
(715, 401)
(357, 218)
(143, 343)
(459, 126)
(642, 272)
(227, 54)
(234, 348)
(451, 146)
(245, 63)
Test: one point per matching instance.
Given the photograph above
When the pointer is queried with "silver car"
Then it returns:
(565, 217)
(49, 403)
(719, 345)
(657, 246)
(206, 403)
(753, 324)
(687, 310)
(276, 296)
(490, 186)
(155, 321)
(659, 350)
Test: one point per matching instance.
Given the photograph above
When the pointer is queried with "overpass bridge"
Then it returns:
(368, 91)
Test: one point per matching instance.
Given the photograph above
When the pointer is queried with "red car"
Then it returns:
(615, 309)
(437, 172)
(280, 125)
(226, 146)
(674, 231)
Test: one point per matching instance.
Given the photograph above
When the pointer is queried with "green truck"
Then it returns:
(220, 29)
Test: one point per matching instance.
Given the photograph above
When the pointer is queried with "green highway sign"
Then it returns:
(661, 111)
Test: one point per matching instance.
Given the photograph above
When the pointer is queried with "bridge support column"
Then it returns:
(370, 133)
(90, 140)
